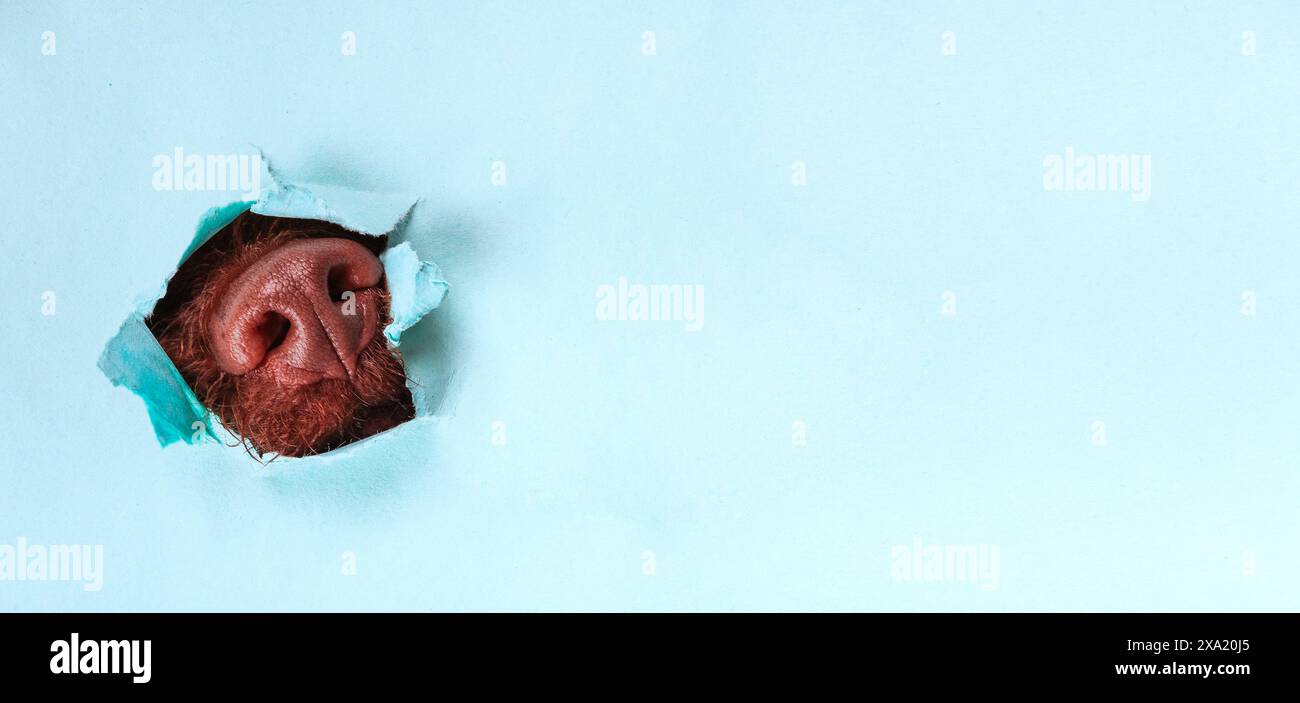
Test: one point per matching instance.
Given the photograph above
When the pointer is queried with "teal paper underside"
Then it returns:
(134, 360)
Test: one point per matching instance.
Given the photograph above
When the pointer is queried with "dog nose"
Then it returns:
(305, 311)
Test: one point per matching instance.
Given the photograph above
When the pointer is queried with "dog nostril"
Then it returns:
(346, 277)
(272, 330)
(337, 284)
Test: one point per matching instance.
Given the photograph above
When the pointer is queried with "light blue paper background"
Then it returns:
(821, 303)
